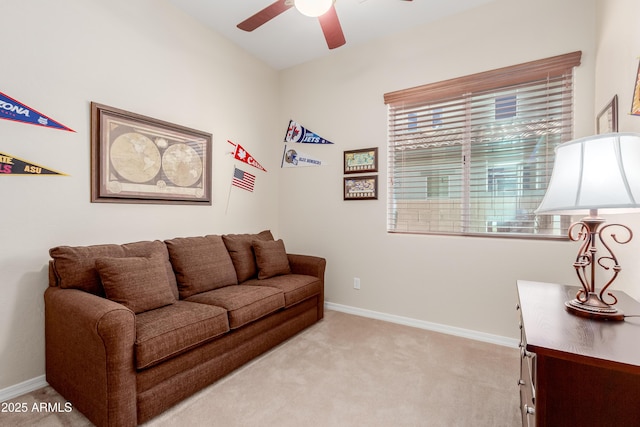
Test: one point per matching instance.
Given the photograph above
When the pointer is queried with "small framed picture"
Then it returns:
(359, 161)
(607, 119)
(138, 159)
(361, 187)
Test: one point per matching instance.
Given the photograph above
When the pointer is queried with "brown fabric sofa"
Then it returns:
(133, 329)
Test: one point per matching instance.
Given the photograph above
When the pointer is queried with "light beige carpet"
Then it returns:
(345, 371)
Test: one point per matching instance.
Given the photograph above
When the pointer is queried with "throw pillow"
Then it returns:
(140, 284)
(75, 266)
(239, 247)
(150, 249)
(271, 258)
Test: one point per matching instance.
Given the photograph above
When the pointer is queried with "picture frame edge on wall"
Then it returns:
(360, 195)
(607, 118)
(367, 167)
(635, 101)
(181, 190)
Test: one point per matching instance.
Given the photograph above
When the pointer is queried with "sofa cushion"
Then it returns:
(138, 283)
(243, 303)
(74, 266)
(241, 252)
(271, 258)
(174, 329)
(296, 287)
(201, 264)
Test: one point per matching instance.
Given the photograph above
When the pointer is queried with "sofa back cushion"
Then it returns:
(242, 255)
(74, 266)
(201, 264)
(271, 258)
(138, 283)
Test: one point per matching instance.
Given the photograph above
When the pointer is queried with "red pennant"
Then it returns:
(241, 154)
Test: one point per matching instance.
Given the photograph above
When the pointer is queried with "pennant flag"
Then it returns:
(297, 133)
(10, 165)
(10, 109)
(293, 158)
(242, 179)
(241, 154)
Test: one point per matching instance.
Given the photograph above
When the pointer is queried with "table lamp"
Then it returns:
(596, 174)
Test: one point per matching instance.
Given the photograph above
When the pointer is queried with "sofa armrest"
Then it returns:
(89, 355)
(311, 266)
(307, 264)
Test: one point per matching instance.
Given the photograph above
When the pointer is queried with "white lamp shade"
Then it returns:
(313, 8)
(597, 172)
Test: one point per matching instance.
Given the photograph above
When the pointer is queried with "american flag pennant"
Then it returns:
(243, 179)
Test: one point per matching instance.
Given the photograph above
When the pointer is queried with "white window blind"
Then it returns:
(473, 155)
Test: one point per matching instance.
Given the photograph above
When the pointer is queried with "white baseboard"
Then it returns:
(437, 327)
(23, 388)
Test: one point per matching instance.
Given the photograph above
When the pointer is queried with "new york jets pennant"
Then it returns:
(10, 165)
(297, 133)
(10, 109)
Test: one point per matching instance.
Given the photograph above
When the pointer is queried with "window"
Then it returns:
(473, 155)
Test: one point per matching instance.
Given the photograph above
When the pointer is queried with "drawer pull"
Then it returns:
(530, 410)
(521, 382)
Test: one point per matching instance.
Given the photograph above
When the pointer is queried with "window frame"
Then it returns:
(426, 96)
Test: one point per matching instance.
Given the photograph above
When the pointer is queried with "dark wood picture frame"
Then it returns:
(361, 161)
(361, 187)
(138, 159)
(607, 119)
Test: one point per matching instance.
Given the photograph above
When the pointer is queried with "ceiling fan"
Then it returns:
(322, 9)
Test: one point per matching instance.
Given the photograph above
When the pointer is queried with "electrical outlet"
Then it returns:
(356, 283)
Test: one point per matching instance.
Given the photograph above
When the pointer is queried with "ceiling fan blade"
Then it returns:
(331, 28)
(265, 15)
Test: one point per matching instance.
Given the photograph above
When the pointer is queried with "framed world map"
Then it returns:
(138, 159)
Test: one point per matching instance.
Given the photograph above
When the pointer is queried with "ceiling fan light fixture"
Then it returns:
(313, 8)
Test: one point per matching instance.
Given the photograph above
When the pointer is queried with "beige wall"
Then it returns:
(143, 56)
(462, 282)
(146, 57)
(618, 53)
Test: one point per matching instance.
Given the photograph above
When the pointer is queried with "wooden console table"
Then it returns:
(576, 371)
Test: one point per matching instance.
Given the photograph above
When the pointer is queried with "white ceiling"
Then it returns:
(292, 38)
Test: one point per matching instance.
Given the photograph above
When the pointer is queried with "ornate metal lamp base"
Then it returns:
(588, 302)
(593, 308)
